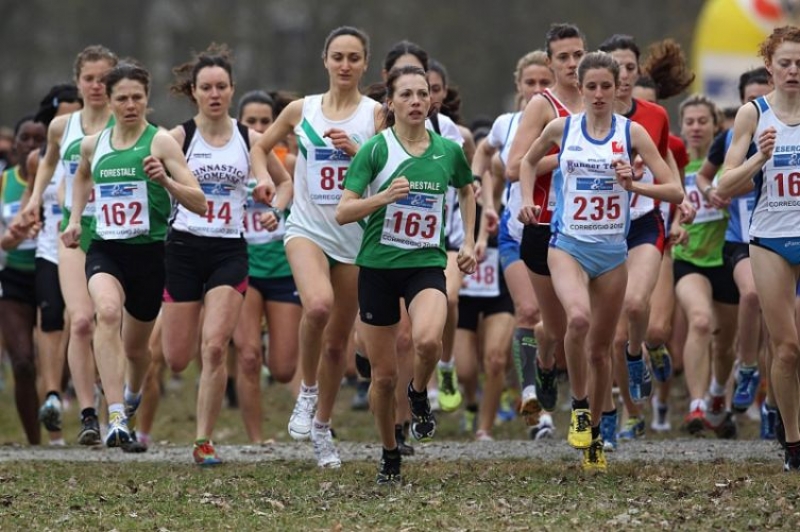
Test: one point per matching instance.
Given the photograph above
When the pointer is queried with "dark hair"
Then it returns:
(21, 122)
(95, 52)
(451, 104)
(282, 98)
(186, 74)
(61, 93)
(376, 91)
(346, 30)
(127, 70)
(436, 66)
(620, 41)
(559, 32)
(255, 96)
(402, 48)
(666, 65)
(594, 60)
(646, 82)
(757, 76)
(394, 75)
(701, 100)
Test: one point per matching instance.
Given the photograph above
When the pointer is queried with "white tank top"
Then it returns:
(590, 205)
(777, 210)
(70, 152)
(319, 178)
(47, 240)
(453, 225)
(222, 173)
(501, 137)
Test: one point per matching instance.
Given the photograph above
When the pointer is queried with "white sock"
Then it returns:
(116, 407)
(716, 389)
(308, 390)
(445, 365)
(697, 403)
(129, 396)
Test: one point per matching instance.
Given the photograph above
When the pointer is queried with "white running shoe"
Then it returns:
(529, 406)
(545, 429)
(325, 449)
(303, 416)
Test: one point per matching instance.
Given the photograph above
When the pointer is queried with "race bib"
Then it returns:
(485, 282)
(326, 170)
(641, 205)
(705, 211)
(745, 206)
(90, 207)
(783, 189)
(122, 210)
(596, 206)
(224, 210)
(254, 233)
(414, 222)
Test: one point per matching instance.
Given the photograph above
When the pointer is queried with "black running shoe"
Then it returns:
(546, 388)
(400, 436)
(423, 422)
(727, 429)
(791, 459)
(389, 472)
(134, 446)
(780, 430)
(90, 431)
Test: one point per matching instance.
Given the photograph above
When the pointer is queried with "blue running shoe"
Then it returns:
(747, 381)
(608, 431)
(769, 416)
(634, 428)
(640, 383)
(661, 361)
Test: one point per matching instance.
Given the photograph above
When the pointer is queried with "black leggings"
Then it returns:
(17, 324)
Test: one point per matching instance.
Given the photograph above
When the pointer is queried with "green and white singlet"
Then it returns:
(408, 233)
(130, 207)
(12, 187)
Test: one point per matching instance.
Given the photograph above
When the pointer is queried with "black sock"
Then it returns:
(610, 413)
(595, 432)
(632, 358)
(88, 412)
(472, 408)
(391, 454)
(793, 447)
(53, 392)
(580, 403)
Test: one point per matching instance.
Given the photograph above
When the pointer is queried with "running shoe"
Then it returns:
(580, 429)
(727, 430)
(768, 417)
(529, 407)
(483, 436)
(544, 429)
(547, 387)
(361, 398)
(633, 428)
(695, 422)
(780, 430)
(50, 413)
(594, 457)
(131, 408)
(325, 449)
(204, 453)
(660, 421)
(640, 383)
(302, 417)
(449, 395)
(90, 431)
(118, 433)
(469, 421)
(715, 411)
(389, 471)
(423, 422)
(661, 361)
(400, 437)
(747, 381)
(791, 459)
(506, 411)
(608, 431)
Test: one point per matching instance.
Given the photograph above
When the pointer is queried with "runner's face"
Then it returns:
(697, 127)
(533, 80)
(129, 101)
(92, 89)
(411, 99)
(31, 136)
(346, 61)
(785, 67)
(628, 72)
(644, 93)
(257, 116)
(213, 91)
(755, 90)
(598, 90)
(564, 59)
(438, 88)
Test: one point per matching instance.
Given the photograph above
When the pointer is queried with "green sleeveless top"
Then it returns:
(23, 257)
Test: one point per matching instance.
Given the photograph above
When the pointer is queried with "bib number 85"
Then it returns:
(331, 177)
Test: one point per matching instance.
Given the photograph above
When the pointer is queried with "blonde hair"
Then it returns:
(536, 57)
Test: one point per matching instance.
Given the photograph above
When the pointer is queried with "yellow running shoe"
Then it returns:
(580, 429)
(449, 395)
(594, 457)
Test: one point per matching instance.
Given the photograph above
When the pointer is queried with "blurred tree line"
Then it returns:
(277, 43)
